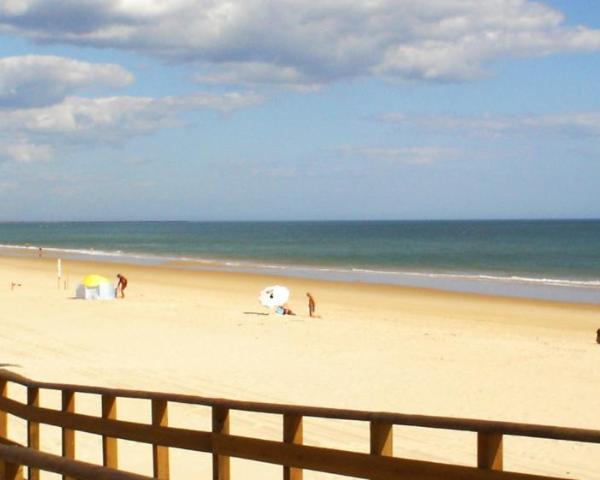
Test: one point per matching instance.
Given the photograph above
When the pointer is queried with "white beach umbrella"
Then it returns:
(274, 296)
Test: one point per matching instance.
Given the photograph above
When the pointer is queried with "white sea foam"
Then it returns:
(81, 252)
(487, 277)
(364, 274)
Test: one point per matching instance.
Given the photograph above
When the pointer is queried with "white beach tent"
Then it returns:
(95, 287)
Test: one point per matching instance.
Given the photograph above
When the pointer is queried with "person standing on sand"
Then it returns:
(121, 285)
(311, 305)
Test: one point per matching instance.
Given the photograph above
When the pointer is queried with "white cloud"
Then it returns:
(302, 43)
(79, 120)
(423, 155)
(260, 74)
(25, 152)
(117, 116)
(582, 123)
(225, 102)
(7, 186)
(573, 124)
(36, 80)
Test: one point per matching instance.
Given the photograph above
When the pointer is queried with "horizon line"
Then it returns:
(474, 219)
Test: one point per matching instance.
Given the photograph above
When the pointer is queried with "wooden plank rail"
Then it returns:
(17, 456)
(353, 464)
(445, 423)
(290, 453)
(136, 432)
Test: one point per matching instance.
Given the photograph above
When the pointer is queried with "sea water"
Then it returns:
(552, 259)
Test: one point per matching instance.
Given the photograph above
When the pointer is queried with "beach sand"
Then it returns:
(375, 347)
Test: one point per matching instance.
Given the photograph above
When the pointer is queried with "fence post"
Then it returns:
(33, 429)
(109, 444)
(489, 451)
(382, 439)
(3, 419)
(160, 454)
(3, 416)
(12, 471)
(220, 424)
(292, 433)
(68, 435)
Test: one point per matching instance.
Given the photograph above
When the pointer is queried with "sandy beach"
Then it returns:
(375, 347)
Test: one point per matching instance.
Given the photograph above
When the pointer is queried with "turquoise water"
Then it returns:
(491, 256)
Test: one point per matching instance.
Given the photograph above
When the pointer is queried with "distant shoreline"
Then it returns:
(362, 220)
(562, 290)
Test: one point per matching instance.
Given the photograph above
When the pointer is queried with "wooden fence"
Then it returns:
(290, 453)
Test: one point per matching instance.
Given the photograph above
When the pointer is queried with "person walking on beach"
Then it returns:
(122, 285)
(311, 305)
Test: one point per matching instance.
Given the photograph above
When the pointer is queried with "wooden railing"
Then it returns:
(14, 457)
(290, 453)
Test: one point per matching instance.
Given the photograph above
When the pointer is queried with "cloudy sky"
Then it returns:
(295, 109)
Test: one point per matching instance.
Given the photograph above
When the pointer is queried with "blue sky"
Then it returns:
(288, 109)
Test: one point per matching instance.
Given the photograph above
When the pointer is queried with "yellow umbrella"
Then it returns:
(94, 280)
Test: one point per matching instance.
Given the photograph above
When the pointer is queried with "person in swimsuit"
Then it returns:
(311, 305)
(284, 310)
(122, 285)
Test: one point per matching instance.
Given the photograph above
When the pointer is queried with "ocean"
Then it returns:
(551, 259)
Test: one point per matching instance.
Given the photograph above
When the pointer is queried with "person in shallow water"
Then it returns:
(122, 285)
